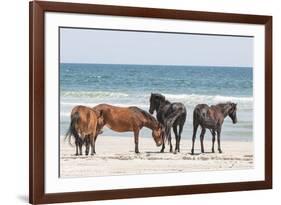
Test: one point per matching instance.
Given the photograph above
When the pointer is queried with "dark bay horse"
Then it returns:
(124, 119)
(169, 115)
(85, 125)
(212, 118)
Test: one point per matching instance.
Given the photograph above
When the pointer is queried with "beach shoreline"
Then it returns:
(115, 156)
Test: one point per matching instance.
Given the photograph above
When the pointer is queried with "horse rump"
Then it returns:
(71, 130)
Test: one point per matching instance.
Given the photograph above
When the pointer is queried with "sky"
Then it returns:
(152, 48)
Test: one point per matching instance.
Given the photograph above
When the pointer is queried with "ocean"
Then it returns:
(131, 85)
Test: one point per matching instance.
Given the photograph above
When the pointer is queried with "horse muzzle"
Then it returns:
(159, 143)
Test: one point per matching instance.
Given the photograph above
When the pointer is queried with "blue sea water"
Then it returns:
(131, 85)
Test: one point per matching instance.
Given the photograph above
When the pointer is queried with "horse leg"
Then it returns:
(193, 137)
(94, 147)
(92, 142)
(213, 140)
(219, 139)
(177, 138)
(170, 141)
(163, 147)
(136, 136)
(77, 145)
(202, 138)
(87, 142)
(80, 146)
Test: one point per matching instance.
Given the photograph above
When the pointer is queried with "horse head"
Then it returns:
(155, 100)
(158, 135)
(232, 112)
(100, 118)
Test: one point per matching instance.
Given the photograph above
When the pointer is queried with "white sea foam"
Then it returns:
(70, 104)
(91, 99)
(206, 98)
(98, 94)
(192, 100)
(137, 96)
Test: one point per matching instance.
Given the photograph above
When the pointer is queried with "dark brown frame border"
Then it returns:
(36, 101)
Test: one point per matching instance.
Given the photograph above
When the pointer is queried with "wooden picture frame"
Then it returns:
(37, 10)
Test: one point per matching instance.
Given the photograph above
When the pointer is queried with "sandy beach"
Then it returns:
(115, 156)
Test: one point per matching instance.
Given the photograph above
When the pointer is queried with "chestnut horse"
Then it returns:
(124, 119)
(212, 118)
(85, 125)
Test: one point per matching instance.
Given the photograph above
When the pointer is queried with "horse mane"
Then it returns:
(222, 106)
(144, 113)
(167, 102)
(162, 98)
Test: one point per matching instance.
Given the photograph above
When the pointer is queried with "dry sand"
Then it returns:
(115, 156)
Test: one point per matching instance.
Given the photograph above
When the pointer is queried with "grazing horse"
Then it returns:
(124, 119)
(85, 125)
(212, 118)
(169, 115)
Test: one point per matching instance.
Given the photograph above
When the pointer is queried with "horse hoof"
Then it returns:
(213, 151)
(161, 150)
(220, 151)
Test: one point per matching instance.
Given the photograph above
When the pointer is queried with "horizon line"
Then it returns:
(158, 65)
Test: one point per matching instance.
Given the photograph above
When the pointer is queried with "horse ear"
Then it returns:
(100, 113)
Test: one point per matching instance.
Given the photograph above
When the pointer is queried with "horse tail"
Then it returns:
(171, 120)
(174, 116)
(71, 130)
(196, 116)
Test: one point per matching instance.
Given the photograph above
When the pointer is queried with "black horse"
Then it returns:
(212, 118)
(169, 115)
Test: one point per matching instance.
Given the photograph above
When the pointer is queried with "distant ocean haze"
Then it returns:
(131, 85)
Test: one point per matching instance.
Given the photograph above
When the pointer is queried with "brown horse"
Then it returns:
(85, 125)
(124, 119)
(212, 118)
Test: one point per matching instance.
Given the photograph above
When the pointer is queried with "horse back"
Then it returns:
(120, 119)
(207, 115)
(175, 110)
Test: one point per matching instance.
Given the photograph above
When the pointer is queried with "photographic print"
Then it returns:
(130, 102)
(144, 102)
